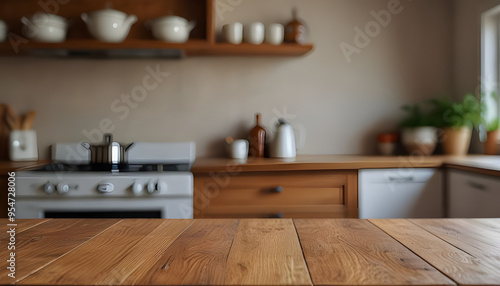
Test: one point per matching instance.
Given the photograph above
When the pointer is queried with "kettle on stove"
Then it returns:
(283, 145)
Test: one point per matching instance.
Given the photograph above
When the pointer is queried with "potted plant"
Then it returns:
(492, 133)
(419, 134)
(457, 119)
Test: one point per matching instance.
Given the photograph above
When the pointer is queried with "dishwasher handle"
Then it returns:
(477, 186)
(401, 179)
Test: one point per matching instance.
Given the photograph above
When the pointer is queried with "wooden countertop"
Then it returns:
(9, 166)
(475, 163)
(253, 252)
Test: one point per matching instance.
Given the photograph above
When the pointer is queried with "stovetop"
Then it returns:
(60, 167)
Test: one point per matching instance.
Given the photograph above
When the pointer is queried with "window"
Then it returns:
(490, 62)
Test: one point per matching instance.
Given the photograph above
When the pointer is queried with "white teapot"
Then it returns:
(109, 25)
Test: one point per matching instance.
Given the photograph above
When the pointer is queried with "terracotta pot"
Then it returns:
(491, 144)
(456, 141)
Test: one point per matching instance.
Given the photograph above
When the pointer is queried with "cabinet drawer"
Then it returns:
(275, 194)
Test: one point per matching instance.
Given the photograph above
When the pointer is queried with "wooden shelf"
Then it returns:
(193, 47)
(79, 42)
(244, 49)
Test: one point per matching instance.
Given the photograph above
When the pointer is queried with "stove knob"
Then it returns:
(49, 188)
(151, 187)
(62, 188)
(137, 188)
(161, 186)
(105, 188)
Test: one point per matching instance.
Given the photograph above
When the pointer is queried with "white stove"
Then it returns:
(158, 186)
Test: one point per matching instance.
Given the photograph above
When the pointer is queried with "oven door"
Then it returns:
(175, 208)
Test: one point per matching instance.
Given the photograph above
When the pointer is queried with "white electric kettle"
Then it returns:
(283, 145)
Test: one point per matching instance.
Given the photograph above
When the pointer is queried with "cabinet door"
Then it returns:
(472, 195)
(293, 194)
(401, 193)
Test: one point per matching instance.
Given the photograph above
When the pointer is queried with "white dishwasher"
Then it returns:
(401, 193)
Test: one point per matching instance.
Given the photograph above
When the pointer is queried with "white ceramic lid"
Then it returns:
(48, 19)
(171, 20)
(109, 13)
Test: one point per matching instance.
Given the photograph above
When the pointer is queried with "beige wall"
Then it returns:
(339, 106)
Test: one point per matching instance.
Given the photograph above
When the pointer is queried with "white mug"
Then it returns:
(23, 145)
(3, 31)
(238, 149)
(275, 34)
(233, 33)
(254, 33)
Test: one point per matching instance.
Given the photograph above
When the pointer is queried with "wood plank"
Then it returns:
(316, 162)
(266, 252)
(197, 257)
(355, 252)
(139, 241)
(40, 245)
(477, 239)
(22, 225)
(463, 268)
(277, 211)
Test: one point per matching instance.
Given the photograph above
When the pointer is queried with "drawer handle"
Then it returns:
(278, 215)
(477, 186)
(278, 189)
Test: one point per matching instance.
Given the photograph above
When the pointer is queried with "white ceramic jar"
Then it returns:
(3, 31)
(43, 27)
(274, 34)
(109, 25)
(233, 33)
(172, 29)
(254, 33)
(238, 149)
(23, 145)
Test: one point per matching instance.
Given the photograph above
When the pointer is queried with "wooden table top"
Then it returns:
(253, 252)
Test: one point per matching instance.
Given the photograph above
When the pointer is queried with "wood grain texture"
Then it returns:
(316, 162)
(109, 259)
(41, 245)
(462, 267)
(266, 252)
(197, 257)
(480, 240)
(355, 252)
(278, 211)
(22, 225)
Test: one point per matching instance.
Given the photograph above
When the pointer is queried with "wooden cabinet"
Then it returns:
(473, 195)
(79, 42)
(291, 194)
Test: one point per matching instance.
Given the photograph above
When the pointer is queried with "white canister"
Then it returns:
(23, 145)
(233, 33)
(3, 31)
(254, 33)
(238, 149)
(274, 34)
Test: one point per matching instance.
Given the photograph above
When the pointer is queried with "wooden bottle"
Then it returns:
(257, 139)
